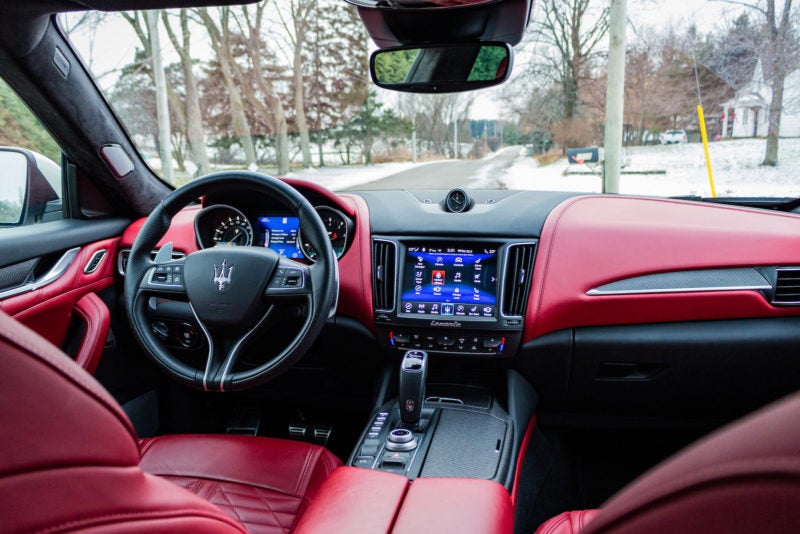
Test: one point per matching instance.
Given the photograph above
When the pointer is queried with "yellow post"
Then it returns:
(704, 135)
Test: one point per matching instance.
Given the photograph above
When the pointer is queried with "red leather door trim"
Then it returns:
(97, 318)
(48, 310)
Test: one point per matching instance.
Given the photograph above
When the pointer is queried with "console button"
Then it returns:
(364, 461)
(401, 337)
(370, 447)
(396, 458)
(446, 341)
(492, 342)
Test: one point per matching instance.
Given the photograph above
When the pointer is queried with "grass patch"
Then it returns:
(548, 158)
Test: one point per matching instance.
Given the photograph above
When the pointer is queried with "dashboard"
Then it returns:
(595, 299)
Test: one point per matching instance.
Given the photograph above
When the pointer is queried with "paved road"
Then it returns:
(477, 174)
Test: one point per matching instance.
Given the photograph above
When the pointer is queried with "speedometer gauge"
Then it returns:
(233, 230)
(222, 225)
(338, 227)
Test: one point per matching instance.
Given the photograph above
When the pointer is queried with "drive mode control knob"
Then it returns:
(401, 440)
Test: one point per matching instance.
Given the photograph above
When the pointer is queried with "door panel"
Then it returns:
(51, 308)
(95, 320)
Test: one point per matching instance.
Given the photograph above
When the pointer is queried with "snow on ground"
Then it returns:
(736, 166)
(337, 178)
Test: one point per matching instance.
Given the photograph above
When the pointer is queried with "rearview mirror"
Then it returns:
(447, 68)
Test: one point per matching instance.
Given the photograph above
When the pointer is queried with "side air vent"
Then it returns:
(384, 258)
(787, 288)
(519, 271)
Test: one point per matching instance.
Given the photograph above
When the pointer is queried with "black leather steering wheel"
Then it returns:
(232, 291)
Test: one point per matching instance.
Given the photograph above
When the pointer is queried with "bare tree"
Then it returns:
(297, 26)
(221, 44)
(781, 45)
(571, 39)
(267, 100)
(195, 132)
(162, 99)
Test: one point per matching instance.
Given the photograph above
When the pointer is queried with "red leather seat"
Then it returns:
(70, 460)
(743, 478)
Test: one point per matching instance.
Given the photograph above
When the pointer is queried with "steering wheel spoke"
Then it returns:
(165, 280)
(223, 353)
(290, 279)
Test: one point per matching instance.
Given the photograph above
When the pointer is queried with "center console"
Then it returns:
(440, 301)
(441, 431)
(451, 296)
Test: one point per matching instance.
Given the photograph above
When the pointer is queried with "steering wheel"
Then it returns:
(232, 291)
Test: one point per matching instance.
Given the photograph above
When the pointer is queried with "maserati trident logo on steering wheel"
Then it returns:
(221, 276)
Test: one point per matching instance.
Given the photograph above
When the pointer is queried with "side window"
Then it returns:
(30, 174)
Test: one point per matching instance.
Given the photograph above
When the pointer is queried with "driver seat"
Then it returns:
(70, 460)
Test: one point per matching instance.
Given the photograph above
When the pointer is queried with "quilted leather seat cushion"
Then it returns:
(567, 523)
(266, 484)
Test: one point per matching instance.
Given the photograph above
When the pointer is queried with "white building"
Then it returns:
(747, 114)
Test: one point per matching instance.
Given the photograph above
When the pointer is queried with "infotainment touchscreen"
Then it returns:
(450, 279)
(280, 234)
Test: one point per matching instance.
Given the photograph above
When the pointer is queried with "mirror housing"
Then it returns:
(442, 68)
(26, 195)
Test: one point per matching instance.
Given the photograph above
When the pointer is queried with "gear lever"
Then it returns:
(413, 372)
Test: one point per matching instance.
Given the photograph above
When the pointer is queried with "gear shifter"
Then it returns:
(413, 372)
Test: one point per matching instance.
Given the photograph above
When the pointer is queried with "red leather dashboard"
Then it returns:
(590, 241)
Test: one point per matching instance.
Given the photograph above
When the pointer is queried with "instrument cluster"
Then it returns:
(224, 225)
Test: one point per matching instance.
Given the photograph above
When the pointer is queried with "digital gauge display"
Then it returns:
(280, 235)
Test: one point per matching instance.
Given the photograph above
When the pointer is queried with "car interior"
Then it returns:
(165, 369)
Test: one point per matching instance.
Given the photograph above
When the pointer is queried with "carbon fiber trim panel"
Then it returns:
(17, 274)
(688, 281)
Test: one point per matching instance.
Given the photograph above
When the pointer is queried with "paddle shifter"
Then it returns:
(413, 372)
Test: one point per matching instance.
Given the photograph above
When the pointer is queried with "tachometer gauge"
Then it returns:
(222, 225)
(234, 230)
(338, 227)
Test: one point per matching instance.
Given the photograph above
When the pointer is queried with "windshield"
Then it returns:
(283, 87)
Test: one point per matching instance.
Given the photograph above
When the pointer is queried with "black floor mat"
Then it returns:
(581, 469)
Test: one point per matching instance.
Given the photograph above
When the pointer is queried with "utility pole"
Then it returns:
(413, 128)
(455, 136)
(615, 95)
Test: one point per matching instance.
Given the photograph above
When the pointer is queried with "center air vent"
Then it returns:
(787, 288)
(519, 271)
(384, 257)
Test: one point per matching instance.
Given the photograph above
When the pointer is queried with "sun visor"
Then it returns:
(409, 22)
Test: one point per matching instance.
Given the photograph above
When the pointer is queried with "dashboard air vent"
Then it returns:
(384, 257)
(787, 287)
(519, 271)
